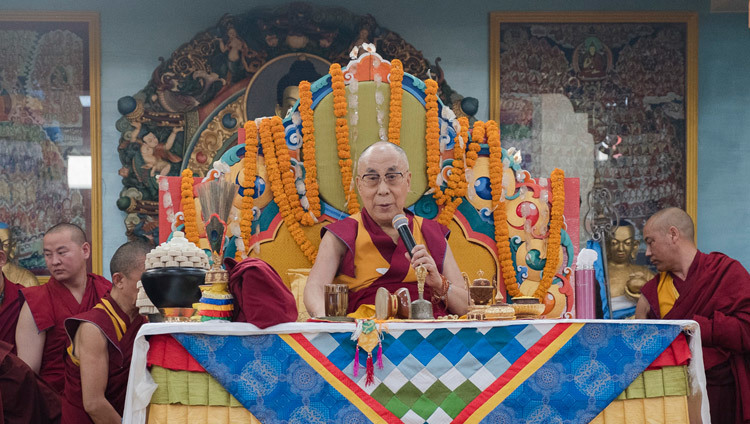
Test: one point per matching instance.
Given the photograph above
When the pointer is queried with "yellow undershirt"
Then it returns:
(667, 293)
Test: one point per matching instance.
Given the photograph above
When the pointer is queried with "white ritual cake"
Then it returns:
(177, 252)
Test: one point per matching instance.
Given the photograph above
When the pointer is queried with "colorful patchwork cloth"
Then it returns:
(534, 371)
(522, 372)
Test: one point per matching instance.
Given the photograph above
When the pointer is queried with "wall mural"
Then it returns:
(189, 112)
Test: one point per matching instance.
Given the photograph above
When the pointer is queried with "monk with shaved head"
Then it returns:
(712, 289)
(41, 339)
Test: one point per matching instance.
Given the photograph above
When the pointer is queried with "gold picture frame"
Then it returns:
(50, 129)
(528, 56)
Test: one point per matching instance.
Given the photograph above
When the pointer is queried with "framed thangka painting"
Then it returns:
(607, 95)
(49, 130)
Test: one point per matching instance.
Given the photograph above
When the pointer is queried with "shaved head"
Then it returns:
(75, 232)
(663, 220)
(380, 146)
(129, 257)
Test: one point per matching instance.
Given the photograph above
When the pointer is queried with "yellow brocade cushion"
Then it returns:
(298, 278)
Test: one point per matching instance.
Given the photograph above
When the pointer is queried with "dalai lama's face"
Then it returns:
(383, 182)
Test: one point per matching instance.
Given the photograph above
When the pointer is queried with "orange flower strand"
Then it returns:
(394, 119)
(308, 154)
(457, 184)
(477, 137)
(342, 137)
(285, 168)
(502, 235)
(553, 239)
(187, 202)
(277, 186)
(432, 140)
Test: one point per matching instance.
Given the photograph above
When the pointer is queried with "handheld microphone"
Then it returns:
(401, 224)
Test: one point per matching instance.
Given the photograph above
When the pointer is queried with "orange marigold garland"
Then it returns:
(287, 173)
(394, 119)
(187, 202)
(248, 182)
(342, 137)
(555, 227)
(504, 255)
(457, 184)
(432, 140)
(308, 154)
(269, 131)
(477, 137)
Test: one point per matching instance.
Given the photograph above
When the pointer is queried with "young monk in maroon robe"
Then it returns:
(98, 359)
(365, 252)
(713, 290)
(40, 334)
(10, 306)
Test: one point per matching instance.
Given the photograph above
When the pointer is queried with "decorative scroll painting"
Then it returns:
(49, 129)
(612, 95)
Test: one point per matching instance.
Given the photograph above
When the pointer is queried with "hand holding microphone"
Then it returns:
(419, 257)
(401, 224)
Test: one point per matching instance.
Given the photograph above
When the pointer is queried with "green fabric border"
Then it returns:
(189, 388)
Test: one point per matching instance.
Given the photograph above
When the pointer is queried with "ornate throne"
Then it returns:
(301, 177)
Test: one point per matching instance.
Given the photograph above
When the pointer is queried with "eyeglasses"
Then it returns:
(391, 178)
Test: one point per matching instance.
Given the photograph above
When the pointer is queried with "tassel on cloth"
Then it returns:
(368, 337)
(380, 355)
(370, 371)
(356, 362)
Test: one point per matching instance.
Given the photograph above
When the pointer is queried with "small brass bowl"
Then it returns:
(482, 295)
(527, 307)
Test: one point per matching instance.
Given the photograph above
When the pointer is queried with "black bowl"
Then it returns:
(173, 287)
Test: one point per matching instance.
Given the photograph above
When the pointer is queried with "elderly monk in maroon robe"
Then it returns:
(40, 334)
(98, 360)
(713, 290)
(365, 252)
(10, 306)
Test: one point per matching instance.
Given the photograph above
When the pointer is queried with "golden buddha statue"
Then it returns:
(287, 89)
(625, 277)
(12, 271)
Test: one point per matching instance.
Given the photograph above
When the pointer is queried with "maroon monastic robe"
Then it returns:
(51, 304)
(716, 294)
(120, 333)
(9, 311)
(260, 295)
(434, 234)
(24, 398)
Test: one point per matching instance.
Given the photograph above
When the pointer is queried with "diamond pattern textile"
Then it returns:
(519, 372)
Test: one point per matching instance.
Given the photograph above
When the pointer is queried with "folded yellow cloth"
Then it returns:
(364, 311)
